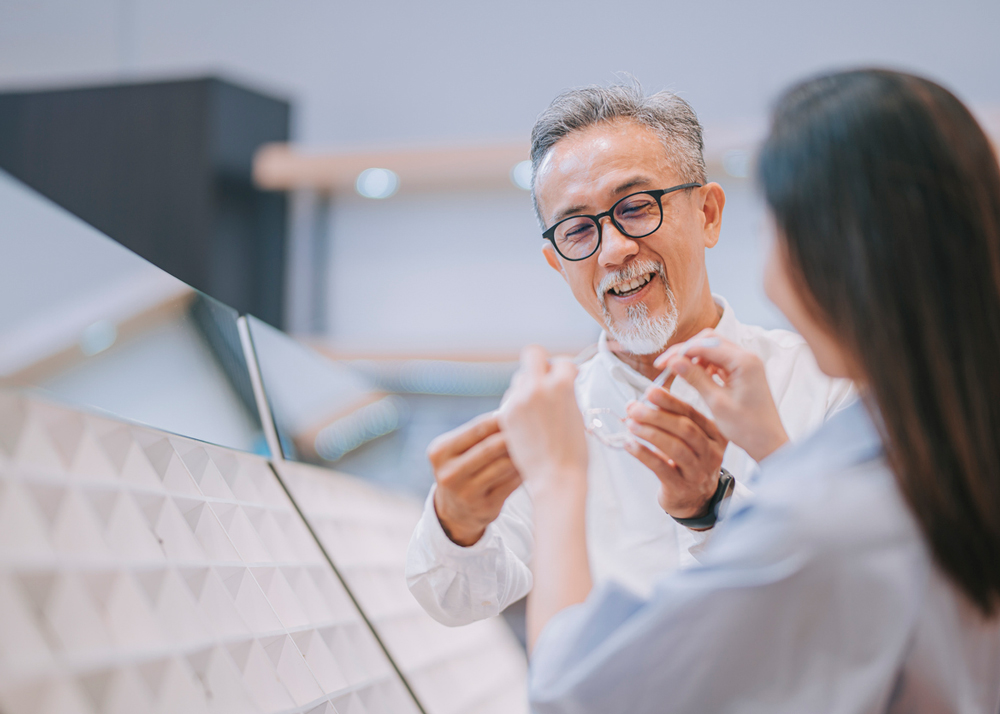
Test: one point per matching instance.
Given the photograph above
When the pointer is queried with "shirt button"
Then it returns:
(486, 603)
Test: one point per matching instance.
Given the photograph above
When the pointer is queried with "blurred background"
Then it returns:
(349, 173)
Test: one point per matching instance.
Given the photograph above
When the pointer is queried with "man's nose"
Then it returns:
(616, 247)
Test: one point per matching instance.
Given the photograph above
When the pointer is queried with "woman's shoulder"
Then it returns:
(836, 486)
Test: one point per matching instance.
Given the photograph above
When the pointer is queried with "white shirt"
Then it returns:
(629, 537)
(818, 595)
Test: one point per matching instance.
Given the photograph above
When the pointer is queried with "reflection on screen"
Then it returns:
(322, 410)
(85, 321)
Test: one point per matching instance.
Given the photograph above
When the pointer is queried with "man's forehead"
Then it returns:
(598, 163)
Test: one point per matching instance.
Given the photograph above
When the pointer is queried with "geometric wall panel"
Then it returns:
(145, 572)
(475, 669)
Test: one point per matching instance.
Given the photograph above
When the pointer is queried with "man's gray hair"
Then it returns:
(669, 116)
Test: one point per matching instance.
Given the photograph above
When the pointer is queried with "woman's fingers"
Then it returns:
(541, 420)
(534, 361)
(701, 379)
(708, 346)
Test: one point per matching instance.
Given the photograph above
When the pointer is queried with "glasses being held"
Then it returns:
(611, 429)
(636, 216)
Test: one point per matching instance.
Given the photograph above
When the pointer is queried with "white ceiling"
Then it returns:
(398, 71)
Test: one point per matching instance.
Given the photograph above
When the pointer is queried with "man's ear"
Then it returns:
(713, 201)
(552, 258)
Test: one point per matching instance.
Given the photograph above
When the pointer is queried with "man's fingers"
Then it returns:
(654, 462)
(684, 428)
(684, 459)
(464, 467)
(668, 402)
(460, 440)
(493, 473)
(505, 487)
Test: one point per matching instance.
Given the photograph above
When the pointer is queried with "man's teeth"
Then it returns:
(628, 288)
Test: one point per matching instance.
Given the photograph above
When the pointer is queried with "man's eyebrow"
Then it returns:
(623, 188)
(618, 191)
(567, 212)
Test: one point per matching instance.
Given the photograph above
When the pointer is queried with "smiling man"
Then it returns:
(627, 213)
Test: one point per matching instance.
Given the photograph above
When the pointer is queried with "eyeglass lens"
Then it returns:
(635, 216)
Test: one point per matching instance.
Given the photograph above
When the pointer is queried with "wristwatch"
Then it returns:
(725, 487)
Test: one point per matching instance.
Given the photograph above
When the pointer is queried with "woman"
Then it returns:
(865, 574)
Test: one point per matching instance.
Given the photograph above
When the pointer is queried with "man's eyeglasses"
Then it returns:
(636, 216)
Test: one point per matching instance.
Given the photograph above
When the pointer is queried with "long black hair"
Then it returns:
(886, 195)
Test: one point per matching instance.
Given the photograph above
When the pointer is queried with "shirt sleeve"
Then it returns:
(842, 394)
(458, 585)
(768, 623)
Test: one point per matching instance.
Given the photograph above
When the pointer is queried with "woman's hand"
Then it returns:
(545, 438)
(541, 422)
(732, 382)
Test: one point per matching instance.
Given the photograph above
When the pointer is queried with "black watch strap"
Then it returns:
(711, 516)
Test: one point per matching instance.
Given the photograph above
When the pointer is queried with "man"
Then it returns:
(619, 187)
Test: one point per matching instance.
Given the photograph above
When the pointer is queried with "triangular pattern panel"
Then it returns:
(475, 669)
(145, 572)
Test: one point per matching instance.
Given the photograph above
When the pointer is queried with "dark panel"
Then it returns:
(165, 169)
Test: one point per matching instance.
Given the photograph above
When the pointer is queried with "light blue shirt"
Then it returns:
(819, 595)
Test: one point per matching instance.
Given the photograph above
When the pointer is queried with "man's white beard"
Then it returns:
(641, 334)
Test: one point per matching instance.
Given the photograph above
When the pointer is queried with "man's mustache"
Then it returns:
(630, 272)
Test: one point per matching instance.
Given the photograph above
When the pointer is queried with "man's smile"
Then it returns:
(631, 287)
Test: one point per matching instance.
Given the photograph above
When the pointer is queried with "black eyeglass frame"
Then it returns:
(550, 233)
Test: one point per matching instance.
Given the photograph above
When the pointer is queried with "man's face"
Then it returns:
(586, 173)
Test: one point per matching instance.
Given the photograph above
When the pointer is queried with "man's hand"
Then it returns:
(474, 476)
(686, 455)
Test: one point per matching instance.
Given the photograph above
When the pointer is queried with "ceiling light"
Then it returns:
(520, 175)
(98, 337)
(377, 183)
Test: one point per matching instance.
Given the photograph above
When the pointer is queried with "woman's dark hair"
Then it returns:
(886, 195)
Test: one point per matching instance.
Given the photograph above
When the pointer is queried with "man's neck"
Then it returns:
(643, 364)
